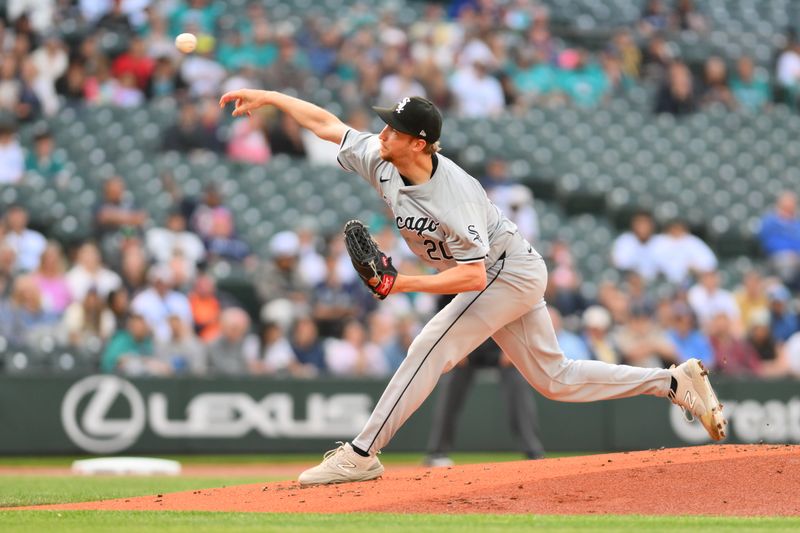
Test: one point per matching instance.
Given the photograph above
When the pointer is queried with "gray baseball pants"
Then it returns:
(511, 309)
(453, 388)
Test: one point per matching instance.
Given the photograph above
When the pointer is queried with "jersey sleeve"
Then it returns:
(360, 153)
(467, 233)
(703, 259)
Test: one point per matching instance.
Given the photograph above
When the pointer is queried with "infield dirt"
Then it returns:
(755, 480)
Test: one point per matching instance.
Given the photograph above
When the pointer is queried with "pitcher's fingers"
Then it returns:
(228, 97)
(238, 107)
(241, 109)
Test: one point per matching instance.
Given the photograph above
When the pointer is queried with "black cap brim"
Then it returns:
(388, 116)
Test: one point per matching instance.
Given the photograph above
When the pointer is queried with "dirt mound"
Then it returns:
(709, 480)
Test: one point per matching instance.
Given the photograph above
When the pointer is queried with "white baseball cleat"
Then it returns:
(695, 395)
(342, 465)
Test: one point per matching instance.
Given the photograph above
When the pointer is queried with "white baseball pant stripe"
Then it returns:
(511, 309)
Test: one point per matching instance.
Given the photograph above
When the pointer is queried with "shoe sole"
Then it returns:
(366, 476)
(713, 419)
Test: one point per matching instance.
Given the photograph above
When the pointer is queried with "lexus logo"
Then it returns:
(86, 414)
(92, 430)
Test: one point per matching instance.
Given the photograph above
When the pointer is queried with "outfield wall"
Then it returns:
(104, 414)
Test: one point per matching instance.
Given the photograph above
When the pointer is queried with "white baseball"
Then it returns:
(186, 42)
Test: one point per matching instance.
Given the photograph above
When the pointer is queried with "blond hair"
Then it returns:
(432, 148)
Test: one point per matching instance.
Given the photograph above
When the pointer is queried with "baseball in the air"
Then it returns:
(186, 42)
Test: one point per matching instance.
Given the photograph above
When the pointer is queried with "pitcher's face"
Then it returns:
(395, 145)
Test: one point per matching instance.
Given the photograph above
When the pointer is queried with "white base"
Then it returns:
(126, 466)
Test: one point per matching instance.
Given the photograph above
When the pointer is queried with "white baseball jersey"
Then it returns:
(449, 220)
(446, 220)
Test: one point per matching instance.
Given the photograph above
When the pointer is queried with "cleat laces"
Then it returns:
(331, 453)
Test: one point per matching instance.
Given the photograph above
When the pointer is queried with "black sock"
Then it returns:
(359, 451)
(673, 385)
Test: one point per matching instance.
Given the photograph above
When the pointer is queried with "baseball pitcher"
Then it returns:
(447, 220)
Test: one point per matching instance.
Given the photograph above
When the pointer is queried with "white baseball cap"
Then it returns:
(519, 195)
(284, 244)
(597, 317)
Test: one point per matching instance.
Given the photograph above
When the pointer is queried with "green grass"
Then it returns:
(285, 458)
(196, 522)
(41, 490)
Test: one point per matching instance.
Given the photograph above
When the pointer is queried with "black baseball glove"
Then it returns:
(373, 266)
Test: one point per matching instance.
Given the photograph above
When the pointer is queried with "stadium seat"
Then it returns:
(25, 359)
(70, 360)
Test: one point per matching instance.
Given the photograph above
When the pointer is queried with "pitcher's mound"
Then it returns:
(709, 480)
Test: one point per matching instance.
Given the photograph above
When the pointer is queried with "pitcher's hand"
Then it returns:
(245, 100)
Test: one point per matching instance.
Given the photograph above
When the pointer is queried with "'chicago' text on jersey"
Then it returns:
(417, 224)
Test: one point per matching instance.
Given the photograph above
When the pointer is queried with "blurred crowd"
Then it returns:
(473, 58)
(749, 329)
(141, 297)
